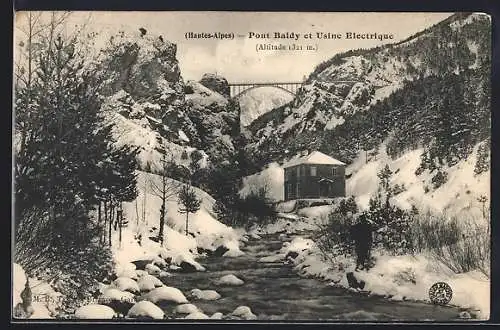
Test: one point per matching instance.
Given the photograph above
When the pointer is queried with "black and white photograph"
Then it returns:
(223, 166)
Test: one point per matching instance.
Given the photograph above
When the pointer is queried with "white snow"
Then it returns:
(166, 293)
(152, 269)
(148, 283)
(271, 179)
(126, 284)
(256, 102)
(457, 197)
(19, 280)
(217, 316)
(51, 302)
(41, 311)
(314, 157)
(204, 96)
(205, 294)
(183, 136)
(95, 311)
(126, 269)
(146, 309)
(229, 280)
(186, 309)
(113, 294)
(316, 212)
(244, 312)
(197, 316)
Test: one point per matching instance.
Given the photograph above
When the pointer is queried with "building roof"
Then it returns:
(314, 157)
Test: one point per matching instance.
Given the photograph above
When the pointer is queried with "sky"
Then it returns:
(239, 60)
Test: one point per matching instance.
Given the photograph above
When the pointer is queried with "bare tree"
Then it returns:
(166, 189)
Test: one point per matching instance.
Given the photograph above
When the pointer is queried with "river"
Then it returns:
(274, 291)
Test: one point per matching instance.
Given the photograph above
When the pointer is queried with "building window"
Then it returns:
(313, 170)
(334, 171)
(297, 192)
(298, 171)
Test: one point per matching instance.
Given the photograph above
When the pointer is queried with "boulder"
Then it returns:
(197, 316)
(216, 83)
(126, 284)
(153, 269)
(219, 252)
(148, 283)
(217, 316)
(229, 280)
(186, 267)
(205, 294)
(145, 310)
(186, 309)
(166, 293)
(95, 311)
(244, 312)
(353, 281)
(120, 301)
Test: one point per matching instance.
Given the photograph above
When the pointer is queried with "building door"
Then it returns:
(324, 189)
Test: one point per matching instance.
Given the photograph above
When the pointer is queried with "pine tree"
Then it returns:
(190, 203)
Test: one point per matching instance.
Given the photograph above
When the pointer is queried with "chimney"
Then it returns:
(305, 152)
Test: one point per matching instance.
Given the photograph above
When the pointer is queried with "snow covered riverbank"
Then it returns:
(397, 278)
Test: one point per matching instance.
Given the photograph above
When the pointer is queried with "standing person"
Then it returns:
(361, 233)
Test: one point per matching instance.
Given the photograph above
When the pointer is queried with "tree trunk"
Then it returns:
(137, 213)
(162, 209)
(187, 222)
(119, 214)
(144, 204)
(113, 219)
(99, 224)
(110, 226)
(105, 222)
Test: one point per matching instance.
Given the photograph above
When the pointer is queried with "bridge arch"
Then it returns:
(237, 96)
(238, 89)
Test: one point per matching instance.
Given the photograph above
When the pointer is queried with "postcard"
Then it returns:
(250, 167)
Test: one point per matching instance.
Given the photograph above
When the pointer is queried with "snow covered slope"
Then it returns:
(206, 231)
(256, 102)
(458, 196)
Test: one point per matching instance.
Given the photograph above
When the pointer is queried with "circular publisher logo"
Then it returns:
(440, 293)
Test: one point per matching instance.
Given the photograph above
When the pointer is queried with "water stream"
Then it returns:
(274, 291)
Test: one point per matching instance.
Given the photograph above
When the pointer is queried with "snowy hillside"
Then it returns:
(207, 232)
(457, 197)
(339, 91)
(256, 102)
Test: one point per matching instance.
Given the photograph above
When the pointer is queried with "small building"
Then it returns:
(314, 176)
